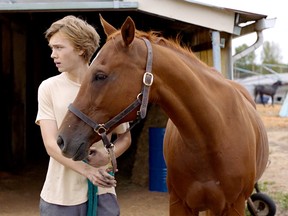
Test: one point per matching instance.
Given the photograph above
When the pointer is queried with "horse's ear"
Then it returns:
(108, 28)
(128, 31)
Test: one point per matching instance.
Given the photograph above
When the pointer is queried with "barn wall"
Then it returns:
(140, 172)
(18, 126)
(6, 89)
(201, 44)
(13, 72)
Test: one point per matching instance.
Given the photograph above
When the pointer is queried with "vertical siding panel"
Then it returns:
(6, 160)
(19, 93)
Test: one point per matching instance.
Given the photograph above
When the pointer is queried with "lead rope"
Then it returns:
(92, 199)
(92, 189)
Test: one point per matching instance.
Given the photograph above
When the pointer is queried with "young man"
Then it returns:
(73, 42)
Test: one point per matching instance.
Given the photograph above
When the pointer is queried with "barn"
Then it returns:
(25, 60)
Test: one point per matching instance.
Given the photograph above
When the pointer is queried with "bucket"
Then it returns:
(157, 165)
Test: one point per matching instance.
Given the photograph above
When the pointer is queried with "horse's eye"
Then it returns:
(100, 77)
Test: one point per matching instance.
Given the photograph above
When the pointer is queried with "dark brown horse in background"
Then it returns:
(215, 145)
(269, 90)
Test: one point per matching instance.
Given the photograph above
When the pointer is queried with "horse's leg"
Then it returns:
(178, 208)
(255, 95)
(237, 208)
(262, 99)
(272, 99)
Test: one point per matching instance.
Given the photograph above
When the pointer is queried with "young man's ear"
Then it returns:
(81, 52)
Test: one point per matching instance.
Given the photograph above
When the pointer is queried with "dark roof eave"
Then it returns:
(50, 6)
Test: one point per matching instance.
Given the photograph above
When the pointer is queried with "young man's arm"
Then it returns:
(98, 177)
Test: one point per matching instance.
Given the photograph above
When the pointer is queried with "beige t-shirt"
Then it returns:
(62, 185)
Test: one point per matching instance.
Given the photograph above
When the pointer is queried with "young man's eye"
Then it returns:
(56, 48)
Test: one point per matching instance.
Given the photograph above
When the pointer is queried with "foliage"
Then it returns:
(271, 60)
(248, 59)
(271, 53)
(247, 62)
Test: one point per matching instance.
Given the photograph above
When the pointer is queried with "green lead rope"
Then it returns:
(92, 199)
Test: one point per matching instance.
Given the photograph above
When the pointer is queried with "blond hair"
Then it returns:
(82, 35)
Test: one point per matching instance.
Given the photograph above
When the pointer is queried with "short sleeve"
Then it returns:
(122, 128)
(45, 105)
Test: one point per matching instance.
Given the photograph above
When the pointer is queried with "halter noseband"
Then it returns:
(142, 100)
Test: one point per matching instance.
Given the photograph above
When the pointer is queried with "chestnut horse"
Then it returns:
(215, 145)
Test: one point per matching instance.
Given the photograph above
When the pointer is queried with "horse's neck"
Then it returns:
(184, 90)
(275, 86)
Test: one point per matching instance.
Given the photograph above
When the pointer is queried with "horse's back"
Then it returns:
(244, 92)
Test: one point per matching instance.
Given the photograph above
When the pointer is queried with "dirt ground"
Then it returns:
(19, 193)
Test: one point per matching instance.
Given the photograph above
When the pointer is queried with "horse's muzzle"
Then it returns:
(76, 154)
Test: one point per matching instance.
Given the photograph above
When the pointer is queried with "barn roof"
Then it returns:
(188, 15)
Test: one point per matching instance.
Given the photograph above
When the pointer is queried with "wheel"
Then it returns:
(263, 204)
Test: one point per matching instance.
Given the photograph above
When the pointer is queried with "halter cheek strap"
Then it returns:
(147, 79)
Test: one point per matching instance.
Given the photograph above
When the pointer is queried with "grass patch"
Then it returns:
(282, 199)
(278, 197)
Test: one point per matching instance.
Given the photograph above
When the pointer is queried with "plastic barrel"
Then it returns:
(157, 166)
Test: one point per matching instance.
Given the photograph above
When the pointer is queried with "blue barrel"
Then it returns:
(157, 166)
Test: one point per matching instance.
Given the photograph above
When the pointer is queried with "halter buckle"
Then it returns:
(100, 129)
(148, 78)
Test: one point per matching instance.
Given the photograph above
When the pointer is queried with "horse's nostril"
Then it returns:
(60, 142)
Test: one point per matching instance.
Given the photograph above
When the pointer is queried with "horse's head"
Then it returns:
(113, 82)
(277, 83)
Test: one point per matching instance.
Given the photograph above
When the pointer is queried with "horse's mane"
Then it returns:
(173, 43)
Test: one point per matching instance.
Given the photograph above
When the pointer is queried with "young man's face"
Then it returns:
(63, 53)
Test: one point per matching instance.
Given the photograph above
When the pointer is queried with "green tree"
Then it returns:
(271, 58)
(271, 53)
(246, 63)
(248, 59)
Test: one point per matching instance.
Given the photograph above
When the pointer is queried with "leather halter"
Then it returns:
(142, 100)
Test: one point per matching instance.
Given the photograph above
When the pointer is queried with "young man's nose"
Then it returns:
(53, 54)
